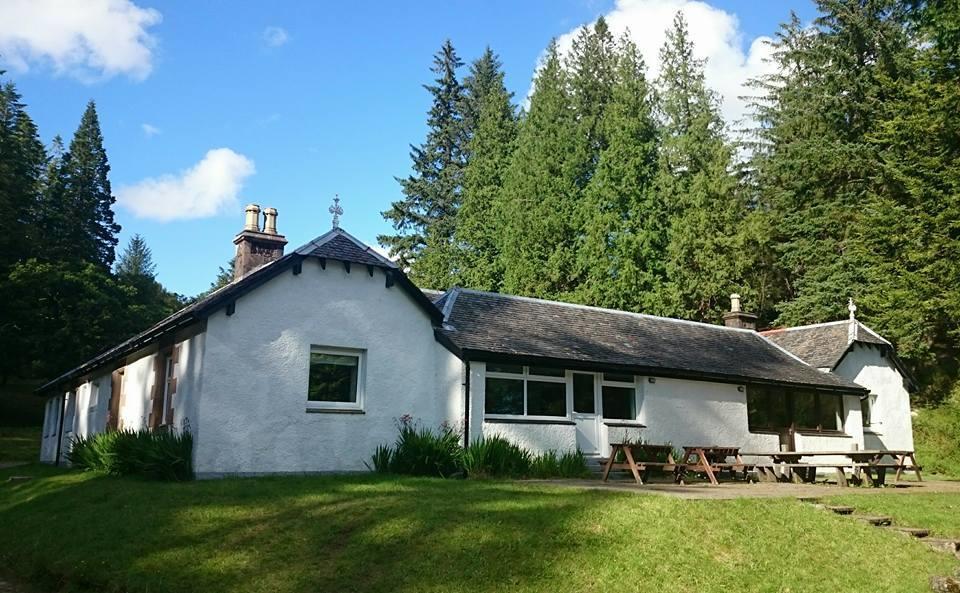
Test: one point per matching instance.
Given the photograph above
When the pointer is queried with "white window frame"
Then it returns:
(169, 368)
(636, 385)
(93, 396)
(361, 356)
(566, 380)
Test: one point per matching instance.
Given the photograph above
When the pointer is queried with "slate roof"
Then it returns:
(491, 326)
(336, 244)
(824, 344)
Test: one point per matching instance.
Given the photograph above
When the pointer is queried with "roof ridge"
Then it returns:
(878, 336)
(808, 326)
(606, 310)
(332, 234)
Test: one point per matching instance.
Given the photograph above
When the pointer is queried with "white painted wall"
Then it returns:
(891, 425)
(676, 411)
(252, 415)
(92, 396)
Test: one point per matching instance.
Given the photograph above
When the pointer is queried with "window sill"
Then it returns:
(334, 411)
(522, 420)
(824, 433)
(624, 424)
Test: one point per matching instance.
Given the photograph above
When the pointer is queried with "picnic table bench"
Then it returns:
(862, 463)
(709, 460)
(639, 469)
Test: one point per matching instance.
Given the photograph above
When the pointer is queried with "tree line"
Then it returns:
(65, 293)
(613, 188)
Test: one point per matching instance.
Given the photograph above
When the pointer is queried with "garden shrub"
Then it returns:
(496, 457)
(156, 454)
(420, 451)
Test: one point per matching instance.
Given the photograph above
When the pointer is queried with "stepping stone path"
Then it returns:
(950, 546)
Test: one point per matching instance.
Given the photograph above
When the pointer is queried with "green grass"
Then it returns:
(71, 530)
(19, 443)
(936, 433)
(938, 512)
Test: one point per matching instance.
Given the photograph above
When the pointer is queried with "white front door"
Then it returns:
(585, 413)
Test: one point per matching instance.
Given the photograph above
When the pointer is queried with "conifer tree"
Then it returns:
(136, 259)
(425, 217)
(697, 184)
(479, 221)
(88, 194)
(539, 200)
(623, 252)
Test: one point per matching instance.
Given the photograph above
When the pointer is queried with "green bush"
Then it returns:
(158, 454)
(936, 433)
(420, 451)
(551, 464)
(496, 457)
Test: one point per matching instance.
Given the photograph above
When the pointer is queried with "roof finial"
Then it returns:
(336, 210)
(853, 327)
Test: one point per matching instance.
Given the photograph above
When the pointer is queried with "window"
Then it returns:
(866, 410)
(583, 397)
(94, 396)
(774, 408)
(335, 379)
(619, 402)
(516, 390)
(169, 388)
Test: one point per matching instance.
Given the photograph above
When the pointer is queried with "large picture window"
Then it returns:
(335, 379)
(515, 390)
(775, 408)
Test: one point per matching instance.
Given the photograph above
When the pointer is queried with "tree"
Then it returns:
(494, 131)
(426, 217)
(697, 184)
(623, 251)
(539, 200)
(136, 259)
(87, 192)
(22, 158)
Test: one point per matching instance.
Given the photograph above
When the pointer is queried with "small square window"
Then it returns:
(619, 402)
(504, 396)
(546, 371)
(334, 378)
(618, 377)
(546, 399)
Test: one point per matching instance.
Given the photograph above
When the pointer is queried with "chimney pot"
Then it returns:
(736, 317)
(734, 303)
(255, 247)
(252, 222)
(270, 221)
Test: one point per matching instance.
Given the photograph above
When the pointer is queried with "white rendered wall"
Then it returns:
(891, 425)
(252, 414)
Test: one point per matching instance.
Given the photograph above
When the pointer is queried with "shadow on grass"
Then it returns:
(371, 533)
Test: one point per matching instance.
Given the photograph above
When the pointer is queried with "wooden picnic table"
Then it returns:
(711, 460)
(864, 461)
(639, 469)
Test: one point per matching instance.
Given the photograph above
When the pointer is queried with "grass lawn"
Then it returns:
(69, 530)
(19, 443)
(938, 512)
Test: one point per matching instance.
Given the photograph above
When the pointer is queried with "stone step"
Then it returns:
(912, 531)
(945, 584)
(951, 546)
(840, 510)
(875, 520)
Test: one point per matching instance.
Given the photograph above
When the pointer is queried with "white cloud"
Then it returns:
(716, 36)
(205, 189)
(275, 36)
(149, 130)
(89, 40)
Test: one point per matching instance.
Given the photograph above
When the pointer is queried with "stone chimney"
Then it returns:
(256, 247)
(737, 318)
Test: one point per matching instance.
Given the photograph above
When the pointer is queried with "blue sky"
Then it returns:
(305, 99)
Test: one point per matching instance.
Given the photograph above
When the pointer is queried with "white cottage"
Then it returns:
(306, 360)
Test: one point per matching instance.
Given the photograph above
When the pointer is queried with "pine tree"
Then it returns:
(494, 131)
(623, 252)
(425, 217)
(88, 194)
(539, 199)
(484, 80)
(697, 184)
(22, 158)
(136, 259)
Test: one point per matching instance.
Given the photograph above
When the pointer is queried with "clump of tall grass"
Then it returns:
(420, 451)
(154, 454)
(496, 457)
